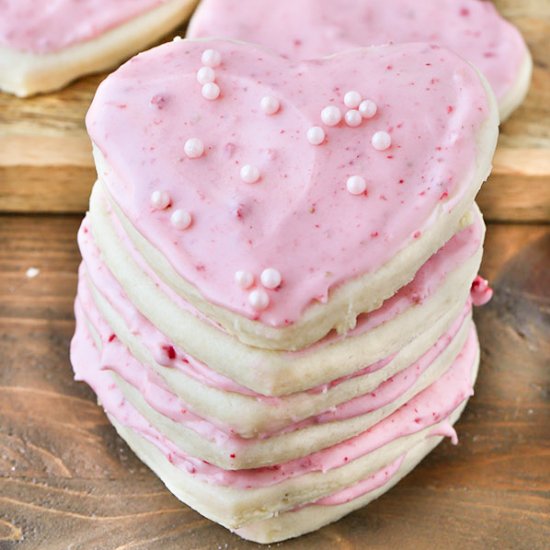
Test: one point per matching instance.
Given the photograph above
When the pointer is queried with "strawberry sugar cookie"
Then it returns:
(44, 47)
(279, 267)
(302, 29)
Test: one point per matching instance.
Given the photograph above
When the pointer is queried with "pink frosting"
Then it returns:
(428, 408)
(306, 29)
(116, 357)
(429, 100)
(364, 486)
(481, 292)
(461, 247)
(48, 26)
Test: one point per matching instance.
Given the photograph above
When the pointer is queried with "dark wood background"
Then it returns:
(68, 482)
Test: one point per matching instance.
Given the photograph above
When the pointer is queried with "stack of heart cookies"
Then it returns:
(274, 306)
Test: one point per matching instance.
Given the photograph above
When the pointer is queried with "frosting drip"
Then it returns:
(481, 292)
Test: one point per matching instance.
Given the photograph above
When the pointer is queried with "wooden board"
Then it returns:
(46, 165)
(68, 481)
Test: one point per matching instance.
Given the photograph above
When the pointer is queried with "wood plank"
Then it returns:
(68, 481)
(46, 166)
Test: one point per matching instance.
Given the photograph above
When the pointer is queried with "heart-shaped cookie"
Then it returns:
(245, 199)
(308, 29)
(212, 158)
(46, 45)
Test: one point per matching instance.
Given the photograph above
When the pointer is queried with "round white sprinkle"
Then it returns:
(177, 38)
(206, 75)
(352, 99)
(211, 58)
(181, 219)
(258, 299)
(353, 118)
(244, 279)
(356, 185)
(368, 108)
(210, 91)
(381, 141)
(270, 278)
(194, 148)
(32, 272)
(316, 135)
(160, 200)
(331, 115)
(270, 105)
(250, 174)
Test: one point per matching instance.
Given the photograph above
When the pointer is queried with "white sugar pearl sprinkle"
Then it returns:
(206, 75)
(211, 58)
(270, 105)
(331, 115)
(316, 135)
(356, 185)
(353, 118)
(194, 148)
(160, 200)
(244, 279)
(250, 174)
(181, 219)
(270, 278)
(368, 108)
(210, 91)
(352, 99)
(177, 39)
(258, 299)
(381, 141)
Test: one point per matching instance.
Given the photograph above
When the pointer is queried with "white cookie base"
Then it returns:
(284, 447)
(259, 514)
(25, 74)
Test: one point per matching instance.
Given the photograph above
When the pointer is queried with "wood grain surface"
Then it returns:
(68, 481)
(46, 163)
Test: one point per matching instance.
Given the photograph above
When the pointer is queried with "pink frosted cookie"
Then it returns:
(304, 29)
(45, 45)
(274, 305)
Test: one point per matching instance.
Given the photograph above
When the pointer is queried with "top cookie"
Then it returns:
(283, 199)
(307, 29)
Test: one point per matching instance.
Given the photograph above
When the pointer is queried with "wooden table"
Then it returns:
(67, 478)
(68, 481)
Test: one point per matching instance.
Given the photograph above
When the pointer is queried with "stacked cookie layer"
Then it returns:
(280, 325)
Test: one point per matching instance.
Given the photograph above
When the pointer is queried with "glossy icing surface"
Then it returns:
(307, 29)
(430, 102)
(50, 26)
